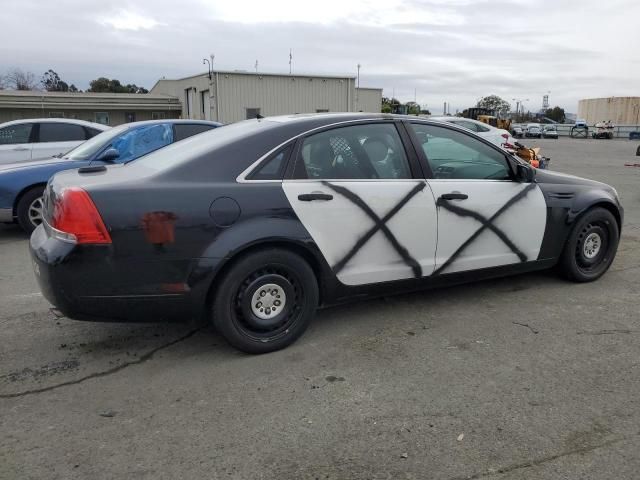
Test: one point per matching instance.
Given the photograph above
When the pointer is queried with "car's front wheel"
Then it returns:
(265, 301)
(591, 246)
(29, 209)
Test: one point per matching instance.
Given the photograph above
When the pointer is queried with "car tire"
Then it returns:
(591, 246)
(289, 288)
(29, 209)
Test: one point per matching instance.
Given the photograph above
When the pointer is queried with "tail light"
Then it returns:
(76, 219)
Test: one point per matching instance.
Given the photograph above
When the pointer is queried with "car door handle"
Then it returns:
(454, 196)
(308, 197)
(20, 149)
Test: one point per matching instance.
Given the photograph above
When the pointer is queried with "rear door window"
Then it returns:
(61, 132)
(13, 134)
(273, 168)
(370, 151)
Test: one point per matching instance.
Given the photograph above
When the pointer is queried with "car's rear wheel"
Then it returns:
(591, 246)
(265, 301)
(29, 209)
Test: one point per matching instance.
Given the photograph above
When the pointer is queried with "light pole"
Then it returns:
(519, 103)
(210, 74)
(206, 60)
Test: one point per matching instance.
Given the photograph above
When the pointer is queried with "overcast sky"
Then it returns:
(443, 50)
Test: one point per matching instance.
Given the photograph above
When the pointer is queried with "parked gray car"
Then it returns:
(550, 131)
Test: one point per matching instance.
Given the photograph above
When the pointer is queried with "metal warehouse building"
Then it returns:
(620, 110)
(105, 108)
(231, 96)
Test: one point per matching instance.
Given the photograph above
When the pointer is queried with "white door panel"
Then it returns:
(339, 228)
(521, 224)
(19, 152)
(49, 149)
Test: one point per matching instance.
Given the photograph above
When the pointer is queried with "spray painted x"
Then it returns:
(486, 224)
(379, 225)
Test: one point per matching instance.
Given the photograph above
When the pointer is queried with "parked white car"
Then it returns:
(497, 136)
(34, 138)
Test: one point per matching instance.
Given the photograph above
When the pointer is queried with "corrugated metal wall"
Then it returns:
(279, 95)
(369, 100)
(620, 110)
(272, 94)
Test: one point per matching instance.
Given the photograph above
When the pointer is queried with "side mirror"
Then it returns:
(109, 155)
(525, 173)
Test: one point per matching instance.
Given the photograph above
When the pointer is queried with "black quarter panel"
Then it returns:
(567, 197)
(165, 238)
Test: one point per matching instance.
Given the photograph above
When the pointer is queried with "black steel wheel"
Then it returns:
(265, 301)
(591, 246)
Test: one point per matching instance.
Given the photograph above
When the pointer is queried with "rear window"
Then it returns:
(92, 132)
(186, 130)
(177, 154)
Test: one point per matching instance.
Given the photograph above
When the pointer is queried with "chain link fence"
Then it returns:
(619, 131)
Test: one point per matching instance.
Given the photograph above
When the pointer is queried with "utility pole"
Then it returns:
(256, 66)
(358, 89)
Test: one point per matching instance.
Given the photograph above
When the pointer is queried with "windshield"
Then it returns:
(92, 146)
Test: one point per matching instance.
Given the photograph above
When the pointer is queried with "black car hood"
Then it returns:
(546, 176)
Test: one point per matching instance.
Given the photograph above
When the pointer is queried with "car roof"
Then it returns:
(267, 134)
(169, 121)
(74, 121)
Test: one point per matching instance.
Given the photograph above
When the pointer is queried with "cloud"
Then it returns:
(437, 50)
(129, 21)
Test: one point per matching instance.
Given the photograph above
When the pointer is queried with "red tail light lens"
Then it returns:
(76, 217)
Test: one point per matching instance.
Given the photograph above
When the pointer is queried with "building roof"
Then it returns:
(86, 100)
(265, 74)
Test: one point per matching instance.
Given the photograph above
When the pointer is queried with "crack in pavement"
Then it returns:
(104, 373)
(537, 461)
(535, 332)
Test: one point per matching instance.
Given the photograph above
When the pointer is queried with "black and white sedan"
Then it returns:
(256, 224)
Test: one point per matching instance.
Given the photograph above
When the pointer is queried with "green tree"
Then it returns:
(52, 83)
(389, 105)
(413, 108)
(495, 104)
(106, 85)
(555, 113)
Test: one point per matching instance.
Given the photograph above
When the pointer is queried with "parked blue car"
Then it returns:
(22, 184)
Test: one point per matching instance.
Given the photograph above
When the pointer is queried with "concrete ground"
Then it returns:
(518, 378)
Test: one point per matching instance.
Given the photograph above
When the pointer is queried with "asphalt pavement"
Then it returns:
(525, 377)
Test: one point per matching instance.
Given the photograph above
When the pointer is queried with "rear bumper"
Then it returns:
(6, 215)
(74, 280)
